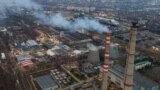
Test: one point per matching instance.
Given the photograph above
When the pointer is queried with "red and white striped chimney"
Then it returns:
(106, 61)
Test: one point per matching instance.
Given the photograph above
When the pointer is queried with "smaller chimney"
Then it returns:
(106, 62)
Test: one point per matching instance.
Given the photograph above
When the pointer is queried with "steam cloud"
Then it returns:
(58, 20)
(55, 20)
(86, 23)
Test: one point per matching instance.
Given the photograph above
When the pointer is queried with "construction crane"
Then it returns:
(106, 62)
(128, 83)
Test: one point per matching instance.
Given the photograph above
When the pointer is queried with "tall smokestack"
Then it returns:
(106, 62)
(128, 83)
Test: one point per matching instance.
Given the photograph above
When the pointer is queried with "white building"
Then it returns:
(141, 65)
(142, 62)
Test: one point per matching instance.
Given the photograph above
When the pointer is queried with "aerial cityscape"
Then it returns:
(79, 44)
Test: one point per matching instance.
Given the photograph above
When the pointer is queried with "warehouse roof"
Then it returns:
(45, 82)
(23, 57)
(32, 43)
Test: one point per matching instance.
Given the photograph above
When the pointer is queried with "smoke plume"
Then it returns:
(90, 24)
(55, 20)
(58, 20)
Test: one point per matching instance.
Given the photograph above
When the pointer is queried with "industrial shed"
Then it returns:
(31, 43)
(46, 83)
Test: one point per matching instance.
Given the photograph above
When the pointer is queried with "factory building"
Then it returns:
(116, 75)
(93, 56)
(78, 38)
(125, 36)
(126, 78)
(58, 50)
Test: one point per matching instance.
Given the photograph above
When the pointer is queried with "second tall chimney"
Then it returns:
(128, 82)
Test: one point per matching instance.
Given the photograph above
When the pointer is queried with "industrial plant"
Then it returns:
(79, 45)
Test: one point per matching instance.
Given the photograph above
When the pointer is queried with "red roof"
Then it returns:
(26, 63)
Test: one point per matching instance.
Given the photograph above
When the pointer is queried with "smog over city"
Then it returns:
(79, 45)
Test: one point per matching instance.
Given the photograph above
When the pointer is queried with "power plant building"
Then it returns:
(116, 75)
(125, 78)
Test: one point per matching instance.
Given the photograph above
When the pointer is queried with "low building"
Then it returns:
(31, 43)
(142, 62)
(116, 75)
(46, 83)
(23, 57)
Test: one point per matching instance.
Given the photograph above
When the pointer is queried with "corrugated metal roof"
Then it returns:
(46, 82)
(23, 57)
(138, 78)
(32, 43)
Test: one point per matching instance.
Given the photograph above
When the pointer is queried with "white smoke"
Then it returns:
(58, 20)
(90, 24)
(55, 20)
